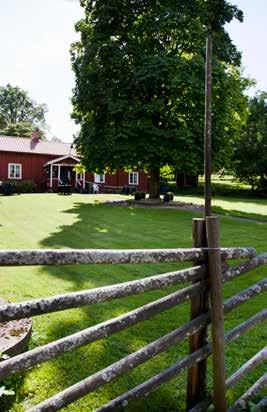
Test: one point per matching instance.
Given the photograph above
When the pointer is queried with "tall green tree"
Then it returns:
(250, 151)
(20, 115)
(139, 93)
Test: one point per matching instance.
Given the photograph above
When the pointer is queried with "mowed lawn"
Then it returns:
(82, 221)
(249, 208)
(233, 202)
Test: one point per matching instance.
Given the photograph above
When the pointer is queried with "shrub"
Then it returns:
(26, 186)
(9, 187)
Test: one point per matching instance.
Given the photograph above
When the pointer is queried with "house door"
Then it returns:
(67, 175)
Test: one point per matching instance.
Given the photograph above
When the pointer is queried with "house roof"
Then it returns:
(26, 145)
(59, 159)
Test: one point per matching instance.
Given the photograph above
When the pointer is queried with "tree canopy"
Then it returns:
(139, 93)
(20, 115)
(250, 151)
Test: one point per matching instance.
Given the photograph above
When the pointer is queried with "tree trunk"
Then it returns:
(154, 183)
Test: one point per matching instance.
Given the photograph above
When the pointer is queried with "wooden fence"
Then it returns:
(209, 271)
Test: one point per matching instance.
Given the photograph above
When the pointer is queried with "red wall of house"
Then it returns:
(32, 165)
(119, 179)
(33, 169)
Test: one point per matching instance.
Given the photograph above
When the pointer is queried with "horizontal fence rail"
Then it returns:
(252, 363)
(17, 257)
(245, 267)
(250, 394)
(102, 294)
(49, 351)
(165, 376)
(259, 358)
(106, 375)
(91, 334)
(35, 307)
(198, 276)
(104, 329)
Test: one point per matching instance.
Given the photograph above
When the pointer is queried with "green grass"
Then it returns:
(80, 221)
(250, 208)
(230, 197)
(226, 181)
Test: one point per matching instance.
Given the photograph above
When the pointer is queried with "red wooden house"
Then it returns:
(50, 164)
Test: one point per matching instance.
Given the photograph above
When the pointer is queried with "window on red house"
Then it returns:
(133, 178)
(99, 178)
(14, 170)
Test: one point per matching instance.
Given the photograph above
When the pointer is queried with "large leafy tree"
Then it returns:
(20, 115)
(139, 94)
(250, 151)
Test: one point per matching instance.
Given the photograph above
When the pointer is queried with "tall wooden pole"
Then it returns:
(214, 255)
(196, 381)
(207, 134)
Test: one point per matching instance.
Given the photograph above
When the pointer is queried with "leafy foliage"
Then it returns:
(3, 390)
(19, 115)
(250, 154)
(139, 94)
(167, 173)
(24, 129)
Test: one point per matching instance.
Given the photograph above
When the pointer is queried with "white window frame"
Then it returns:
(131, 177)
(19, 165)
(99, 178)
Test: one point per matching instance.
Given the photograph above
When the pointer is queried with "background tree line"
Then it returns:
(249, 160)
(19, 114)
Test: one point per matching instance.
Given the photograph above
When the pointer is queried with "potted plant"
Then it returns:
(168, 197)
(139, 195)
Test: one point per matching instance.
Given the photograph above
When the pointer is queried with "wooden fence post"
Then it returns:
(196, 379)
(215, 285)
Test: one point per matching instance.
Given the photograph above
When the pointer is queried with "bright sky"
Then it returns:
(34, 48)
(250, 38)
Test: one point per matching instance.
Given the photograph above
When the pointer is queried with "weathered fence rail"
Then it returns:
(91, 296)
(208, 273)
(15, 257)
